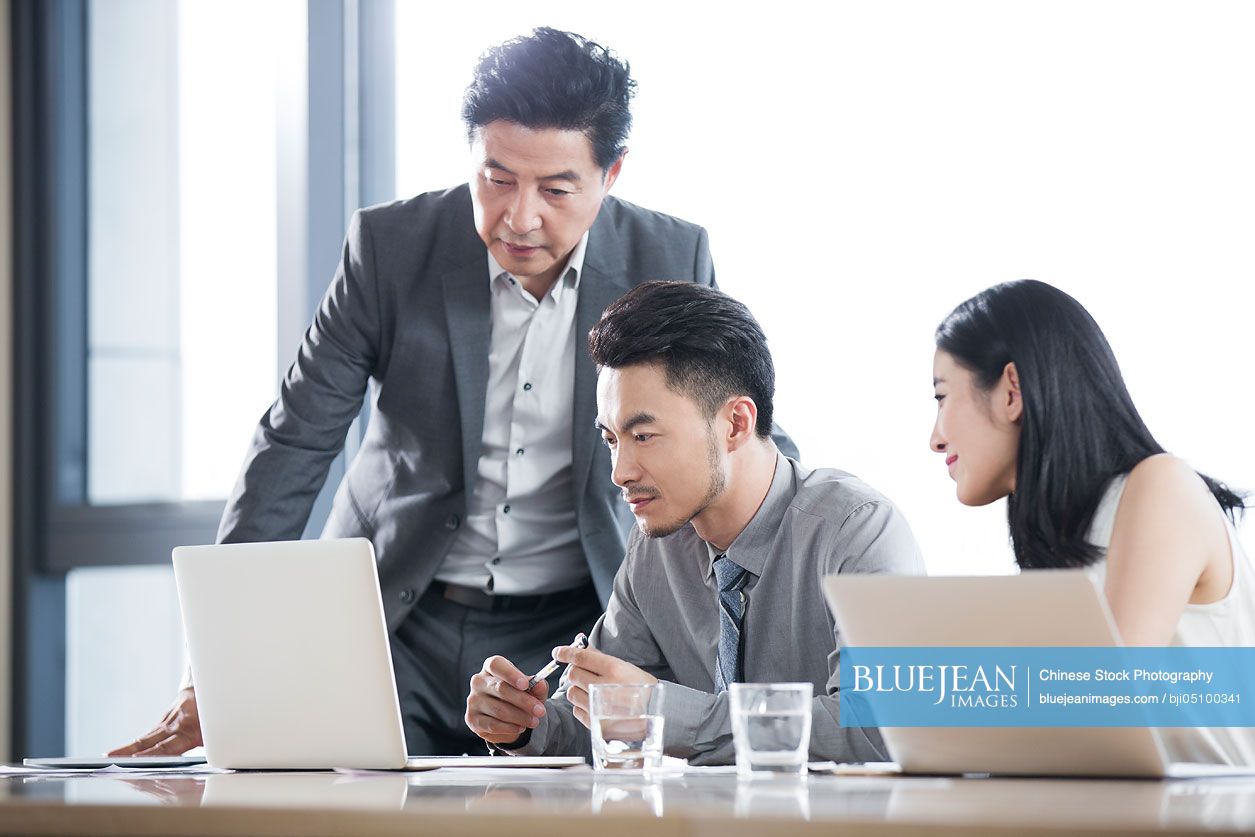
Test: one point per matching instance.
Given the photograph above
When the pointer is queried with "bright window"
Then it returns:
(182, 149)
(182, 243)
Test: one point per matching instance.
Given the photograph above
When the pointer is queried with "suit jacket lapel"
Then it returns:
(468, 312)
(604, 281)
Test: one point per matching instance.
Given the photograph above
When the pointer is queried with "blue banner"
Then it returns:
(1047, 687)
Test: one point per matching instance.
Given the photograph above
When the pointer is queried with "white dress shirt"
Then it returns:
(520, 536)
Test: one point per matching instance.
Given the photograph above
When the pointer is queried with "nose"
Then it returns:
(623, 467)
(937, 442)
(523, 214)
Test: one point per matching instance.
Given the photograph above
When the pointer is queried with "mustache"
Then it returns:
(641, 494)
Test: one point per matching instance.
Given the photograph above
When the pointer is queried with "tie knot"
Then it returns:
(731, 576)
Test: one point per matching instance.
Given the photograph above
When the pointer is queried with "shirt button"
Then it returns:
(519, 451)
(506, 510)
(407, 595)
(527, 387)
(452, 522)
(495, 561)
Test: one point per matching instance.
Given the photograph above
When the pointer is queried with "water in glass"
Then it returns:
(627, 741)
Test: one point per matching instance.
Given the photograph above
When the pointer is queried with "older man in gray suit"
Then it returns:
(481, 481)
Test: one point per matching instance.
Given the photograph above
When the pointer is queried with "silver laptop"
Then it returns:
(290, 655)
(1034, 608)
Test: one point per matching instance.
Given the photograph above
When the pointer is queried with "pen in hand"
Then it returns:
(580, 641)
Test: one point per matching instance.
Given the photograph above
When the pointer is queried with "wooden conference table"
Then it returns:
(583, 804)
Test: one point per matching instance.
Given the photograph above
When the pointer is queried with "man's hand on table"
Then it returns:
(178, 732)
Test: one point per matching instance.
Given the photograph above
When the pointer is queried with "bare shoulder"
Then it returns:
(1168, 545)
(1161, 464)
(1164, 491)
(1167, 480)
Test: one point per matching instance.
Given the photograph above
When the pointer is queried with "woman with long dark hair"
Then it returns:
(1031, 406)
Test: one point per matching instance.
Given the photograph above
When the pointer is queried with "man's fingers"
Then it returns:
(143, 742)
(488, 719)
(494, 729)
(172, 745)
(128, 750)
(494, 707)
(502, 730)
(589, 659)
(582, 677)
(503, 669)
(507, 694)
(487, 682)
(578, 697)
(582, 717)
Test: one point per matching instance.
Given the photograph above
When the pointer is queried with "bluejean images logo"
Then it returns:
(964, 687)
(982, 687)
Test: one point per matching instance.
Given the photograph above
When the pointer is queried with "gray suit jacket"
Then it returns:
(409, 311)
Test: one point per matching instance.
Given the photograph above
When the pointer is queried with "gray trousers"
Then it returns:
(441, 644)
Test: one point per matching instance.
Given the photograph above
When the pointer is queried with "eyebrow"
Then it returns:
(938, 381)
(634, 422)
(562, 175)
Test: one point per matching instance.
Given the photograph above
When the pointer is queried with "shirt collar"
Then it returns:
(751, 548)
(570, 274)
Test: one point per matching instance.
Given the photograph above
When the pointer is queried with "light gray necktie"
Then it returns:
(732, 579)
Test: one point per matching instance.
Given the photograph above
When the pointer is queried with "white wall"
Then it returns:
(6, 389)
(863, 167)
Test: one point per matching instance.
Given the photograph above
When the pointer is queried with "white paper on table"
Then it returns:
(870, 768)
(24, 770)
(461, 775)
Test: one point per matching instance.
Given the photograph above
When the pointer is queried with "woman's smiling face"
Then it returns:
(977, 431)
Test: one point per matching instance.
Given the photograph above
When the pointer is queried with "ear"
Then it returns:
(612, 174)
(1014, 403)
(742, 417)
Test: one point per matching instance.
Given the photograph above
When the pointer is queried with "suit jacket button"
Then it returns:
(407, 595)
(452, 522)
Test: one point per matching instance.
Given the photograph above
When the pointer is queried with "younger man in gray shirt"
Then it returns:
(722, 577)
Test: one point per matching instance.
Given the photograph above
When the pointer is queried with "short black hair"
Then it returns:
(710, 345)
(554, 79)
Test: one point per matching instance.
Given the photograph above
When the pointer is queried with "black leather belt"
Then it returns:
(479, 600)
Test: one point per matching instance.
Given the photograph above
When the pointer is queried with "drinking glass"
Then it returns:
(771, 727)
(626, 725)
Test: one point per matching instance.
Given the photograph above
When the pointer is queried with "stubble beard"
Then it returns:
(716, 484)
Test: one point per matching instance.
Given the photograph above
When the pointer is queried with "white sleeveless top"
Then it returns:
(1229, 622)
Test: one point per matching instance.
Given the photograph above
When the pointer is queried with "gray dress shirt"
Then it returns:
(663, 615)
(520, 535)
